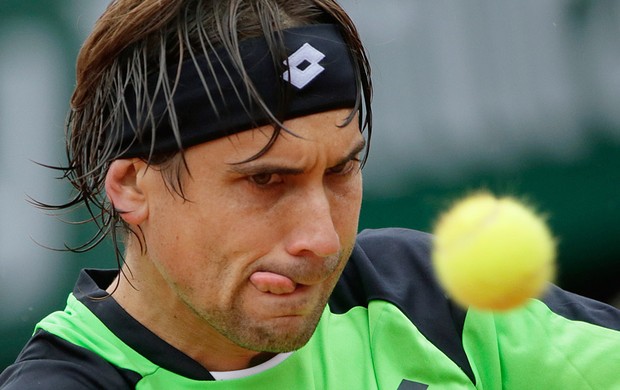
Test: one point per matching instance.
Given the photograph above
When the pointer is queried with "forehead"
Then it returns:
(319, 135)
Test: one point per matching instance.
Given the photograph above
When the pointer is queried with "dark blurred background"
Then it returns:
(518, 97)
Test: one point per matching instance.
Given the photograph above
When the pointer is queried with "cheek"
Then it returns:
(175, 238)
(197, 245)
(194, 268)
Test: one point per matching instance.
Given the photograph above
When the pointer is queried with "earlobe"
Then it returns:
(123, 190)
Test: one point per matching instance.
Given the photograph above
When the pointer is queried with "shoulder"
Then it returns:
(391, 264)
(394, 252)
(394, 240)
(578, 308)
(49, 362)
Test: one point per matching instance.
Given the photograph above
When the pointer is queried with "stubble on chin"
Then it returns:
(277, 338)
(278, 334)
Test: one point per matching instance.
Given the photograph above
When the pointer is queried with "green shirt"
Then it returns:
(387, 326)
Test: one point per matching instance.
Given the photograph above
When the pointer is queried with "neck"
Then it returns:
(164, 314)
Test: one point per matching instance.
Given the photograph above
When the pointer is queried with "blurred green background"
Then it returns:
(518, 97)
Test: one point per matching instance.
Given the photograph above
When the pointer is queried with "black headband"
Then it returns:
(319, 75)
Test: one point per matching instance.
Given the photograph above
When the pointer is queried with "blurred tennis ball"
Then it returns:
(493, 253)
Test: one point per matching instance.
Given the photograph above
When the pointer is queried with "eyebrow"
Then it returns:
(254, 168)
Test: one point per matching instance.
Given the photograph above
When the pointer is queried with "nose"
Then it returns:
(312, 230)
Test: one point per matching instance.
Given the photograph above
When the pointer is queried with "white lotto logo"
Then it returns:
(303, 66)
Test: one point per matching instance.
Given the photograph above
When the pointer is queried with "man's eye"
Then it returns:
(344, 168)
(263, 179)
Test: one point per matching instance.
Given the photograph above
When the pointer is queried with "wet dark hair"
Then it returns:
(135, 41)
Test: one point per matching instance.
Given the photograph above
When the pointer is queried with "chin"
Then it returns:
(284, 334)
(279, 344)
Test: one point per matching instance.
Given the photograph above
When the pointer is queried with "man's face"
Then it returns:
(257, 248)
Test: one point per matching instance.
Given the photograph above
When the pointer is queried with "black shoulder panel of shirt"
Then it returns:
(48, 362)
(578, 308)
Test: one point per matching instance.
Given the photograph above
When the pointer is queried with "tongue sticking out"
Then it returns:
(272, 283)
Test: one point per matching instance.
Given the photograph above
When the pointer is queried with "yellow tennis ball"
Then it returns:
(493, 253)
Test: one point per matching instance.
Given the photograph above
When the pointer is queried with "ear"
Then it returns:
(123, 190)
